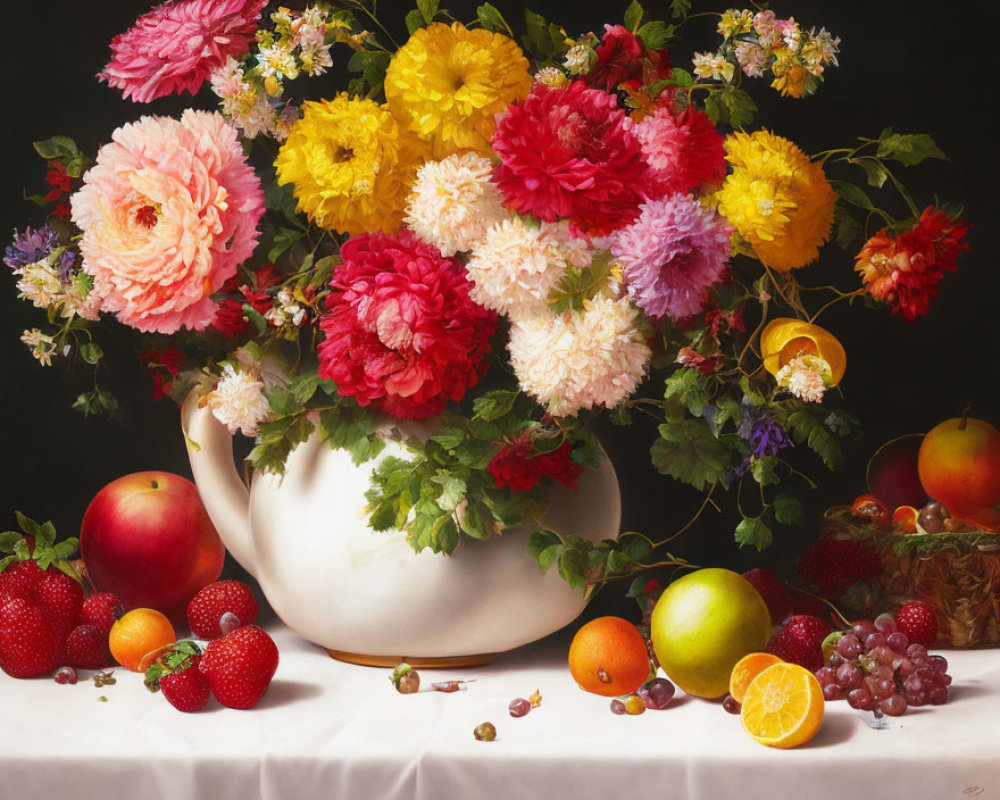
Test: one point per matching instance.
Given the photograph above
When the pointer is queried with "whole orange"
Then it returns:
(959, 465)
(137, 633)
(608, 656)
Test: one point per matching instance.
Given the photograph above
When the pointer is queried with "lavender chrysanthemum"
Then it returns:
(671, 255)
(30, 246)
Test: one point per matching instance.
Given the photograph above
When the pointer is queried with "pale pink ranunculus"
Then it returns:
(176, 46)
(168, 212)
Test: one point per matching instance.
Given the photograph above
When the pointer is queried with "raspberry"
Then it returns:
(101, 609)
(776, 596)
(207, 607)
(87, 648)
(918, 620)
(800, 641)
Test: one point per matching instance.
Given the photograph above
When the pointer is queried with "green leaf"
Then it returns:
(304, 386)
(620, 415)
(428, 9)
(56, 147)
(432, 528)
(540, 540)
(276, 440)
(688, 451)
(353, 430)
(788, 509)
(546, 41)
(96, 402)
(278, 197)
(689, 386)
(284, 239)
(633, 16)
(494, 405)
(843, 423)
(548, 557)
(804, 427)
(730, 410)
(8, 539)
(850, 193)
(6, 562)
(875, 171)
(730, 106)
(657, 34)
(477, 521)
(848, 229)
(282, 401)
(28, 525)
(763, 470)
(681, 77)
(453, 490)
(414, 21)
(908, 149)
(492, 20)
(578, 285)
(679, 8)
(752, 531)
(91, 352)
(449, 438)
(255, 317)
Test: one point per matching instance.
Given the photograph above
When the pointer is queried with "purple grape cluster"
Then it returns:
(876, 668)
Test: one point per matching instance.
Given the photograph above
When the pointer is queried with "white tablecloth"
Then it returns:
(332, 730)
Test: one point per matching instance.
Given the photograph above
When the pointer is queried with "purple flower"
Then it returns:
(764, 436)
(671, 255)
(31, 246)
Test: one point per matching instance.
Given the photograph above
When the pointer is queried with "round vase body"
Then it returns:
(336, 582)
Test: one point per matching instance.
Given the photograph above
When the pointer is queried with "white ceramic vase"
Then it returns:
(366, 596)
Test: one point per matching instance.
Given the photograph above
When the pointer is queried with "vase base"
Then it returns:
(429, 662)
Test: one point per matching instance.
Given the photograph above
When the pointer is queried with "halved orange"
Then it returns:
(746, 669)
(783, 706)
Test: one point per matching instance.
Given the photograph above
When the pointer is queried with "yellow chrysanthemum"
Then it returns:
(447, 83)
(351, 165)
(778, 199)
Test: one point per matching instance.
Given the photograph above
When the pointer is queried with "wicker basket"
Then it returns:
(957, 573)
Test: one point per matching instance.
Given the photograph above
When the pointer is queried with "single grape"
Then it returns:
(938, 695)
(849, 646)
(927, 673)
(656, 694)
(634, 704)
(870, 684)
(835, 660)
(885, 655)
(885, 624)
(898, 641)
(916, 650)
(913, 685)
(932, 517)
(833, 691)
(916, 699)
(486, 732)
(945, 679)
(882, 673)
(729, 703)
(940, 663)
(860, 699)
(894, 706)
(848, 675)
(905, 668)
(519, 707)
(885, 688)
(65, 675)
(825, 676)
(617, 706)
(863, 629)
(874, 641)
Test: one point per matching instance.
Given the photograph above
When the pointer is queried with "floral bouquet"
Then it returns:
(506, 228)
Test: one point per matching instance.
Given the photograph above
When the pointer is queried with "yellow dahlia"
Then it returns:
(447, 83)
(351, 165)
(777, 199)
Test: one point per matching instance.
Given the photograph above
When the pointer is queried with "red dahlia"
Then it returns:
(905, 269)
(518, 466)
(622, 58)
(401, 331)
(569, 151)
(684, 151)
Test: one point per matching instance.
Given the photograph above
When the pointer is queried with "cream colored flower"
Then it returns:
(238, 401)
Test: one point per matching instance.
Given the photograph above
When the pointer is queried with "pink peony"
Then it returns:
(571, 152)
(671, 255)
(168, 212)
(176, 46)
(401, 330)
(684, 151)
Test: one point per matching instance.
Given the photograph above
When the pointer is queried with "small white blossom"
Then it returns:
(43, 346)
(714, 66)
(551, 76)
(238, 401)
(579, 59)
(285, 309)
(40, 283)
(807, 377)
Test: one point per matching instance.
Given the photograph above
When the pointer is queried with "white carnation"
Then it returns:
(578, 360)
(238, 401)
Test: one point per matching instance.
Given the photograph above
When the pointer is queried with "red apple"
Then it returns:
(893, 476)
(147, 538)
(959, 465)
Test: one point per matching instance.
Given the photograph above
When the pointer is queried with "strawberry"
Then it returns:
(87, 648)
(61, 597)
(28, 646)
(776, 596)
(239, 666)
(834, 565)
(800, 641)
(918, 620)
(186, 689)
(207, 607)
(102, 609)
(176, 673)
(20, 579)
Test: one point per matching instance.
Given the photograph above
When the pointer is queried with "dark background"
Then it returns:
(917, 66)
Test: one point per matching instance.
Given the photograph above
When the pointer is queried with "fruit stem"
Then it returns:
(965, 417)
(846, 622)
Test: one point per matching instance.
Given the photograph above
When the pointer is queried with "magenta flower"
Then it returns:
(176, 46)
(671, 255)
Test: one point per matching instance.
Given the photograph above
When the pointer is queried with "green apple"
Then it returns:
(703, 624)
